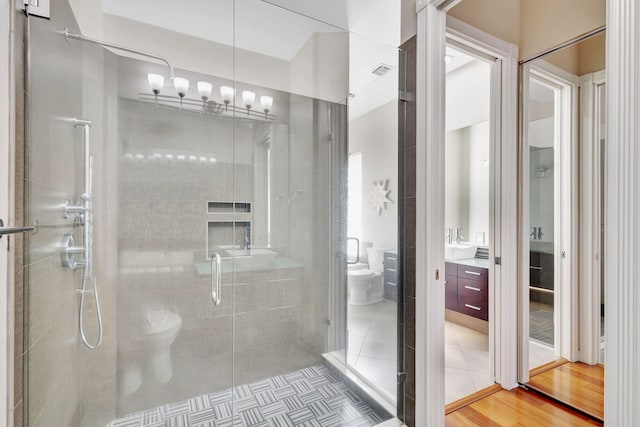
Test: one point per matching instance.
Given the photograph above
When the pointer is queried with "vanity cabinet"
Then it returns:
(467, 290)
(391, 276)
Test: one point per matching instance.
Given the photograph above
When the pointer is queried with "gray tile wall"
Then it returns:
(152, 214)
(52, 94)
(66, 384)
(278, 317)
(407, 213)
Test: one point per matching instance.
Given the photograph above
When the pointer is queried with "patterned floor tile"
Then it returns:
(310, 397)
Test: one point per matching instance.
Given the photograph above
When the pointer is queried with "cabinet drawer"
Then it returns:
(451, 293)
(473, 289)
(473, 307)
(451, 269)
(473, 273)
(390, 264)
(390, 279)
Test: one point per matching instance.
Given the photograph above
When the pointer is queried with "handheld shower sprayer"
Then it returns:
(84, 214)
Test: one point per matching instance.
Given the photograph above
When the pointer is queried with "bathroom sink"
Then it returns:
(462, 250)
(252, 258)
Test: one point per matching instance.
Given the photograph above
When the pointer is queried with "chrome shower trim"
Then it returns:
(69, 250)
(77, 36)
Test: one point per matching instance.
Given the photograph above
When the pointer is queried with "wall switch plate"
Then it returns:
(40, 8)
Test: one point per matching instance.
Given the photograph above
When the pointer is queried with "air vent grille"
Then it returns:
(382, 69)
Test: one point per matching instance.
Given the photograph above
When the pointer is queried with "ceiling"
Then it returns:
(280, 28)
(277, 28)
(257, 27)
(458, 59)
(375, 19)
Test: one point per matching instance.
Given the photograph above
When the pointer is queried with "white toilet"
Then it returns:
(161, 329)
(365, 280)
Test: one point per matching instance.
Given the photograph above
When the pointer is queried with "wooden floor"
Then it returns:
(517, 407)
(575, 384)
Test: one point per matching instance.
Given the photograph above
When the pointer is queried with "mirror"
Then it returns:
(563, 130)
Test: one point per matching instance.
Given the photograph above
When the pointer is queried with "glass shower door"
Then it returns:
(161, 169)
(217, 217)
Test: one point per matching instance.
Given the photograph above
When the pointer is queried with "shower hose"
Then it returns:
(86, 277)
(88, 274)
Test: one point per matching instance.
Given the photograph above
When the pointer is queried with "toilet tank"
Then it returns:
(376, 259)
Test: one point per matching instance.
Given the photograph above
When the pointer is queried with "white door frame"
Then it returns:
(622, 269)
(503, 77)
(591, 201)
(430, 133)
(565, 215)
(622, 210)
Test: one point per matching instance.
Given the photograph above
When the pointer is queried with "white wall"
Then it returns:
(467, 180)
(468, 95)
(456, 196)
(319, 70)
(541, 188)
(479, 165)
(375, 135)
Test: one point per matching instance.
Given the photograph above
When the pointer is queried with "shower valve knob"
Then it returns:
(70, 210)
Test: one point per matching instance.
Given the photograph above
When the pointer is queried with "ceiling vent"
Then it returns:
(382, 69)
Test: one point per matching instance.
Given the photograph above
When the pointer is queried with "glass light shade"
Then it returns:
(204, 89)
(248, 98)
(156, 81)
(266, 102)
(181, 85)
(227, 93)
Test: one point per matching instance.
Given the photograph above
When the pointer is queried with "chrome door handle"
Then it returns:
(472, 272)
(216, 279)
(14, 230)
(473, 307)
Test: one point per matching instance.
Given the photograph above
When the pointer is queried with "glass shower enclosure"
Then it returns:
(218, 201)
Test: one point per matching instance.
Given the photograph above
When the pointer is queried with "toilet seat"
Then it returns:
(365, 272)
(159, 321)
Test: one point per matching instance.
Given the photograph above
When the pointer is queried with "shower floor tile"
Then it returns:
(308, 397)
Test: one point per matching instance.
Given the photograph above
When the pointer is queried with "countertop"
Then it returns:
(471, 262)
(541, 246)
(204, 268)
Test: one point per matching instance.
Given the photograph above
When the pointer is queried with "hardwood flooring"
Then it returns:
(517, 407)
(577, 385)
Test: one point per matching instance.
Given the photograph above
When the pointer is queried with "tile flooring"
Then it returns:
(310, 397)
(466, 361)
(373, 348)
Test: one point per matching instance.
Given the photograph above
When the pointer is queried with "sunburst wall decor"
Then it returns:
(380, 195)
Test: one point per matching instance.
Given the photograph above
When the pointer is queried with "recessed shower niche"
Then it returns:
(228, 227)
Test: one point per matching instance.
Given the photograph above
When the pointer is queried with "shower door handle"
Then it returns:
(216, 278)
(13, 230)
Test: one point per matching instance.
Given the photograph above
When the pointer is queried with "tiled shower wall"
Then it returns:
(280, 316)
(64, 383)
(270, 321)
(407, 156)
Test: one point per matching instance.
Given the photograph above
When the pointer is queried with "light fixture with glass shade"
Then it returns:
(182, 86)
(206, 103)
(204, 89)
(156, 81)
(228, 94)
(266, 102)
(248, 98)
